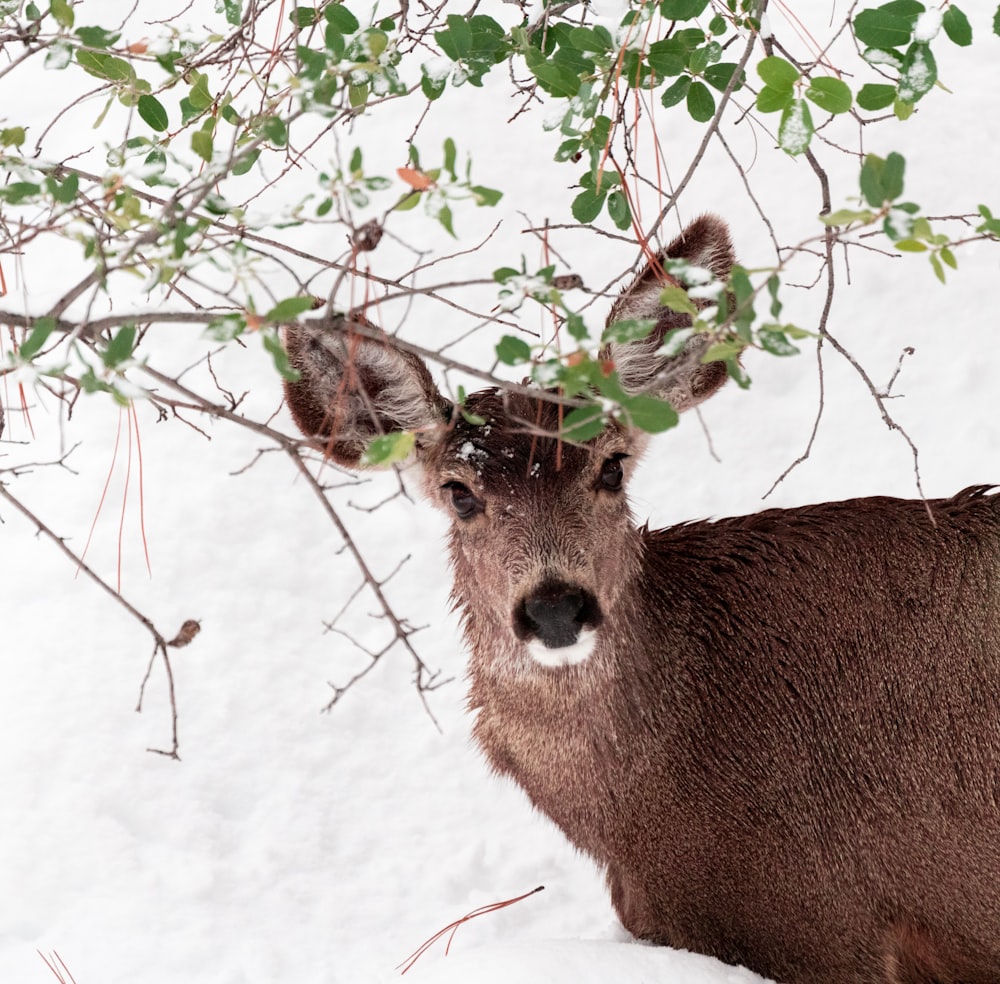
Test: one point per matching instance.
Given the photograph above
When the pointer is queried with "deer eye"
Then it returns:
(463, 501)
(613, 473)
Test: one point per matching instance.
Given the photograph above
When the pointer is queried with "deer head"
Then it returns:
(542, 542)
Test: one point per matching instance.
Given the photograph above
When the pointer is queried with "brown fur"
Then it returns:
(784, 742)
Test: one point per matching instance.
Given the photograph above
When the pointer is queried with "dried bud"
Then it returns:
(568, 281)
(367, 237)
(188, 631)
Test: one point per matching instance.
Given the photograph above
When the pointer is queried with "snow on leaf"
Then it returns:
(928, 25)
(796, 128)
(919, 73)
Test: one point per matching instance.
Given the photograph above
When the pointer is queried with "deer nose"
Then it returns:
(555, 613)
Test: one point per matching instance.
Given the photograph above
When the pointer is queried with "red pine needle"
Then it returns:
(57, 965)
(142, 497)
(104, 493)
(452, 928)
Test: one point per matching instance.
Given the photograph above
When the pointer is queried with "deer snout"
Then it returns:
(557, 621)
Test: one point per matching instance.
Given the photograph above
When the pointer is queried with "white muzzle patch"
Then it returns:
(572, 655)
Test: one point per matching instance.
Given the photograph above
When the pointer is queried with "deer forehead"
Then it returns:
(513, 449)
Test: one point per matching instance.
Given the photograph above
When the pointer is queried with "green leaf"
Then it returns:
(796, 128)
(996, 22)
(910, 246)
(552, 77)
(13, 136)
(874, 97)
(120, 347)
(289, 309)
(628, 330)
(279, 354)
(303, 17)
(676, 92)
(587, 206)
(619, 211)
(956, 25)
(97, 37)
(512, 350)
(456, 41)
(726, 351)
(486, 196)
(201, 144)
(153, 112)
(432, 88)
(771, 100)
(773, 286)
(576, 326)
(104, 66)
(846, 216)
(718, 76)
(990, 224)
(450, 153)
(225, 328)
(918, 74)
(233, 10)
(778, 73)
(32, 345)
(276, 130)
(775, 341)
(882, 180)
(66, 192)
(389, 449)
(582, 423)
(589, 39)
(408, 201)
(700, 102)
(444, 216)
(677, 299)
(893, 172)
(61, 12)
(199, 96)
(668, 57)
(568, 149)
(245, 164)
(357, 95)
(341, 18)
(888, 26)
(830, 94)
(649, 414)
(682, 9)
(19, 191)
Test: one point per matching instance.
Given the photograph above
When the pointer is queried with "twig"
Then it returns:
(159, 642)
(452, 928)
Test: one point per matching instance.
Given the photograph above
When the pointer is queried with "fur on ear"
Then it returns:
(683, 379)
(353, 387)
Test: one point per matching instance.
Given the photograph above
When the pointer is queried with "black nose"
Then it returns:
(555, 613)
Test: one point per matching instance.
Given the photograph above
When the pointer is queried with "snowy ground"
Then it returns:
(289, 845)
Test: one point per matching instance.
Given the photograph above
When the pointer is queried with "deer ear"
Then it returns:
(354, 387)
(682, 379)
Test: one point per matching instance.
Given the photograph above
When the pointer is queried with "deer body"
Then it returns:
(779, 734)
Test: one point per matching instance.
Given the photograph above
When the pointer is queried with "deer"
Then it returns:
(778, 735)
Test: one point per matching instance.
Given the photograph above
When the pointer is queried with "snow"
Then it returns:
(795, 129)
(917, 77)
(293, 845)
(928, 25)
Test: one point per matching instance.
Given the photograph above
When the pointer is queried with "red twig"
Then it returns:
(452, 928)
